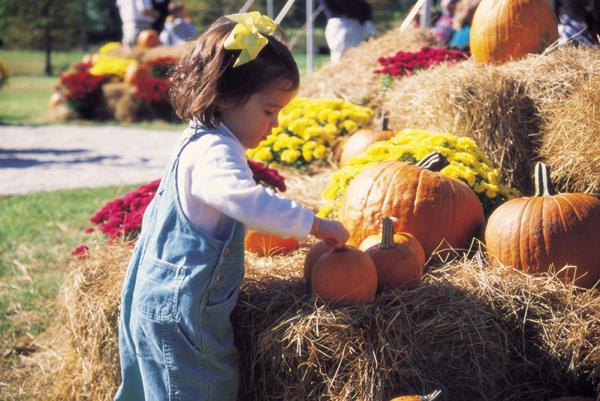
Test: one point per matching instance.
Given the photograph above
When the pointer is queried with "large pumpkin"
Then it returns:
(399, 258)
(504, 30)
(362, 139)
(436, 209)
(344, 275)
(532, 233)
(264, 244)
(147, 39)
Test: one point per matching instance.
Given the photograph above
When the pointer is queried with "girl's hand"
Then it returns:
(331, 231)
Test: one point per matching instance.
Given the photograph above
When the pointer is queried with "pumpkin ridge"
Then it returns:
(439, 209)
(363, 234)
(520, 249)
(454, 206)
(566, 198)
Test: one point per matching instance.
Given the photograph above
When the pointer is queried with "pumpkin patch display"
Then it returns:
(532, 233)
(147, 39)
(362, 139)
(504, 30)
(346, 275)
(311, 258)
(436, 209)
(264, 244)
(399, 258)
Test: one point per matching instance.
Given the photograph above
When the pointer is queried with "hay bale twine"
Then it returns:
(571, 139)
(473, 100)
(352, 77)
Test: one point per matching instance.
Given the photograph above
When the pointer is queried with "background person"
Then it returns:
(136, 16)
(178, 28)
(349, 22)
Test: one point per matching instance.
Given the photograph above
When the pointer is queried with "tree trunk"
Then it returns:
(48, 38)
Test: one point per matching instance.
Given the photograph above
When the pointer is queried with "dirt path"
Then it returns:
(46, 158)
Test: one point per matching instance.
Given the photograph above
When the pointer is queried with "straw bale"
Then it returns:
(571, 139)
(473, 100)
(473, 330)
(142, 55)
(352, 77)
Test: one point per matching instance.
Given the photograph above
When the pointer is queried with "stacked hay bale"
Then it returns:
(352, 77)
(472, 329)
(506, 108)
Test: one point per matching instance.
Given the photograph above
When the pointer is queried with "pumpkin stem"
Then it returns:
(543, 183)
(387, 236)
(385, 120)
(434, 161)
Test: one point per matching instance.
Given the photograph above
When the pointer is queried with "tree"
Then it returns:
(40, 24)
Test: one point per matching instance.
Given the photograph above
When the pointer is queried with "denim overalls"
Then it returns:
(175, 336)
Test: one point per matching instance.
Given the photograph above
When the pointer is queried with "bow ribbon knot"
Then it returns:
(249, 35)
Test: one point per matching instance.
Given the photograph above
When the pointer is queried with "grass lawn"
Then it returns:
(37, 234)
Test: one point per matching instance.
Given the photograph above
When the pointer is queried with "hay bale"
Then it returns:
(473, 100)
(472, 329)
(142, 55)
(571, 139)
(503, 107)
(352, 77)
(89, 304)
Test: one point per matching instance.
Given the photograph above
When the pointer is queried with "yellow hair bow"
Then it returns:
(249, 35)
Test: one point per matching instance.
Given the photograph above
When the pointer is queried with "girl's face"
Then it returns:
(253, 121)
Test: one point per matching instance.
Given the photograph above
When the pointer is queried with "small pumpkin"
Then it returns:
(344, 275)
(264, 244)
(399, 258)
(532, 233)
(313, 254)
(504, 30)
(362, 139)
(147, 39)
(436, 209)
(136, 72)
(55, 100)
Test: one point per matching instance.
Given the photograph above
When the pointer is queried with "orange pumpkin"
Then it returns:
(344, 275)
(426, 397)
(436, 209)
(313, 254)
(399, 258)
(135, 72)
(55, 100)
(147, 39)
(532, 233)
(362, 139)
(504, 30)
(264, 244)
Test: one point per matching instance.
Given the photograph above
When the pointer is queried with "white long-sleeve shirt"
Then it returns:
(215, 186)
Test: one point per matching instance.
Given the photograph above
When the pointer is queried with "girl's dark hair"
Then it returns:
(205, 75)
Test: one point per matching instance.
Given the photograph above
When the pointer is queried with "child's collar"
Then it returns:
(222, 128)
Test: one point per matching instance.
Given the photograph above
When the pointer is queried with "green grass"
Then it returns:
(37, 234)
(33, 62)
(25, 100)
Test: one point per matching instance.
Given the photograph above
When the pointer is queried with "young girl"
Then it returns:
(175, 336)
